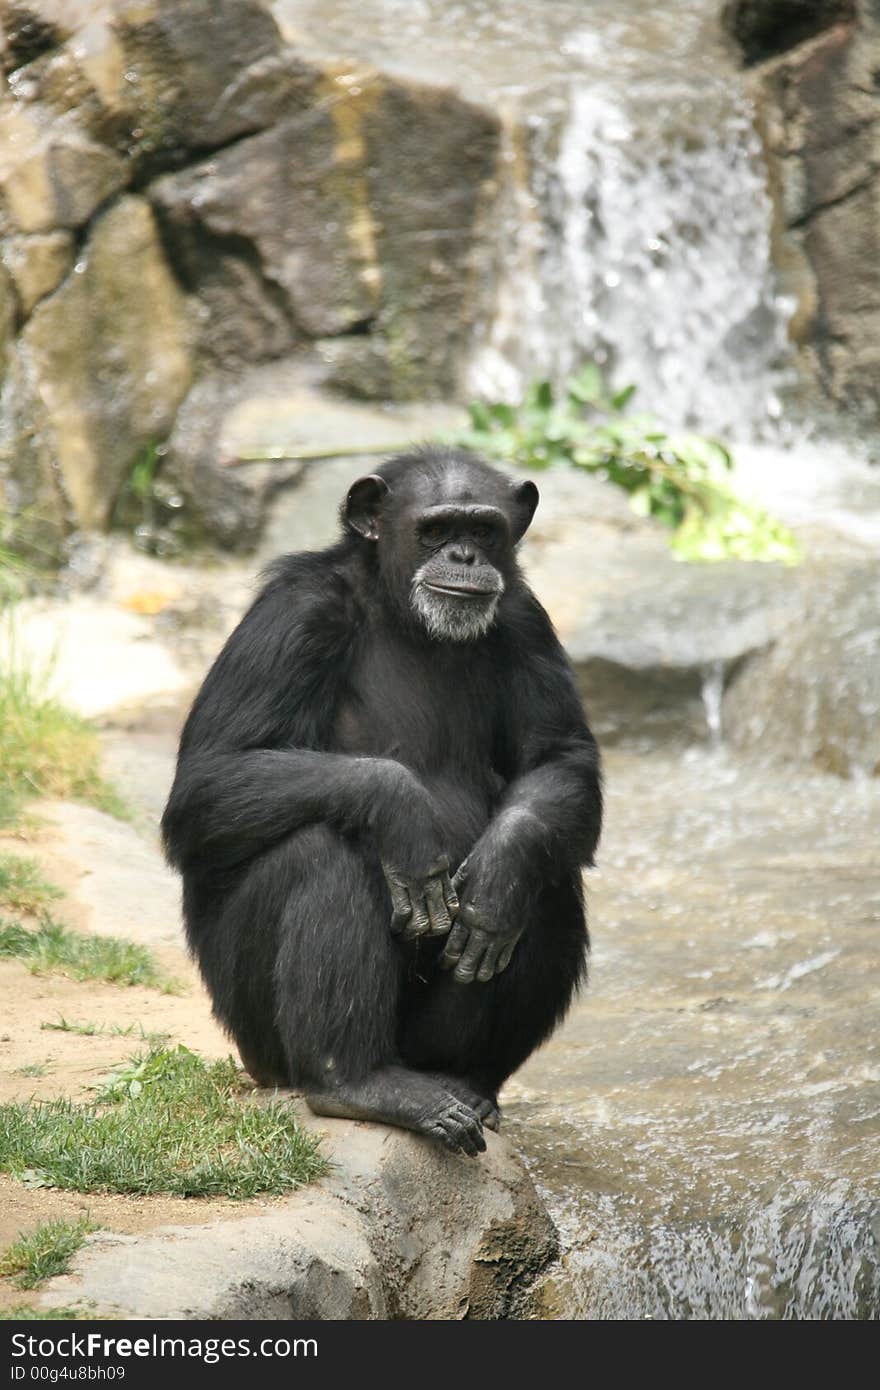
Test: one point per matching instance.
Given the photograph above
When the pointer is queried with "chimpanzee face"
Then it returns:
(445, 525)
(456, 589)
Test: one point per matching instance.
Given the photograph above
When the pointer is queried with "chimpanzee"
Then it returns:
(385, 794)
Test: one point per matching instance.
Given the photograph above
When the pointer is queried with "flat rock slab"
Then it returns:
(401, 1229)
(93, 654)
(113, 874)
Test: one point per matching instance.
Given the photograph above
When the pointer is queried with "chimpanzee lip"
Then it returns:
(460, 590)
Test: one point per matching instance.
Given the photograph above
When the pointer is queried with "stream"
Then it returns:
(706, 1126)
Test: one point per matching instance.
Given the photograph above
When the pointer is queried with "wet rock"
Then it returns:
(187, 66)
(764, 28)
(300, 243)
(372, 231)
(51, 174)
(105, 383)
(37, 265)
(814, 697)
(818, 111)
(400, 1230)
(33, 27)
(432, 161)
(36, 514)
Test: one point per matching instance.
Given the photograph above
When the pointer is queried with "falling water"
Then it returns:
(632, 218)
(713, 698)
(642, 241)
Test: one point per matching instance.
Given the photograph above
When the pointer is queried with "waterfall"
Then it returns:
(635, 230)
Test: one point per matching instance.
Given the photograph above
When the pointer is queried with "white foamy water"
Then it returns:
(642, 241)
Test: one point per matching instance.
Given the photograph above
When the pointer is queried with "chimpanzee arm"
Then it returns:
(548, 823)
(255, 764)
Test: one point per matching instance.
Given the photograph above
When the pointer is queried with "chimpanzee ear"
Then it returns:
(363, 506)
(525, 500)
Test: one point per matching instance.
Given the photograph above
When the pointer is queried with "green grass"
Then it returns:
(22, 886)
(32, 1069)
(168, 1122)
(101, 1030)
(45, 1252)
(51, 947)
(45, 749)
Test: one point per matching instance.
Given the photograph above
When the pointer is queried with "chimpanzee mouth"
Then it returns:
(461, 590)
(455, 612)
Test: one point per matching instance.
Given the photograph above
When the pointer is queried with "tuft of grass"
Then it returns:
(32, 1069)
(53, 947)
(96, 1030)
(22, 886)
(23, 1312)
(45, 1252)
(45, 749)
(167, 1122)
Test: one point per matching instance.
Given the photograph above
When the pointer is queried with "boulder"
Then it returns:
(814, 697)
(300, 243)
(242, 438)
(370, 242)
(401, 1229)
(105, 384)
(652, 640)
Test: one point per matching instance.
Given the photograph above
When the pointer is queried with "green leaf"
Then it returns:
(680, 480)
(622, 399)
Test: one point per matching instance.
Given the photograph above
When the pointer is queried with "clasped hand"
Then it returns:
(480, 941)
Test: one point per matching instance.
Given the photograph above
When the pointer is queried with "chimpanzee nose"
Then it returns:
(462, 553)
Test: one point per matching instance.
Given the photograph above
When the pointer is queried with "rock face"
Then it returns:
(401, 1230)
(814, 83)
(106, 384)
(181, 194)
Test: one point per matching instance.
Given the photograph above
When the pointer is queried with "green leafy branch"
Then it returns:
(681, 479)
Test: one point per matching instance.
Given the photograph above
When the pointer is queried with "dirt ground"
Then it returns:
(72, 1065)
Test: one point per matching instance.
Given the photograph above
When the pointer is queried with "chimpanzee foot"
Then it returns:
(410, 1099)
(484, 1107)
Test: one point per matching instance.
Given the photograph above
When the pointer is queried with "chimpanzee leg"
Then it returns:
(338, 980)
(479, 1034)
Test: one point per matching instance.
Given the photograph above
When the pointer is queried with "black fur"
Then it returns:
(334, 737)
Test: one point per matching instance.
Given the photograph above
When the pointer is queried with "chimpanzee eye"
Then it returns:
(483, 532)
(434, 534)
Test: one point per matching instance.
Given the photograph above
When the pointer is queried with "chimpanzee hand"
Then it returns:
(486, 931)
(410, 843)
(422, 906)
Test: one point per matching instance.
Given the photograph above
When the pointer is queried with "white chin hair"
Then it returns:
(452, 619)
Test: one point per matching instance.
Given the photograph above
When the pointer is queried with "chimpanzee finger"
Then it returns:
(466, 970)
(437, 909)
(489, 964)
(401, 907)
(420, 922)
(504, 957)
(450, 896)
(455, 944)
